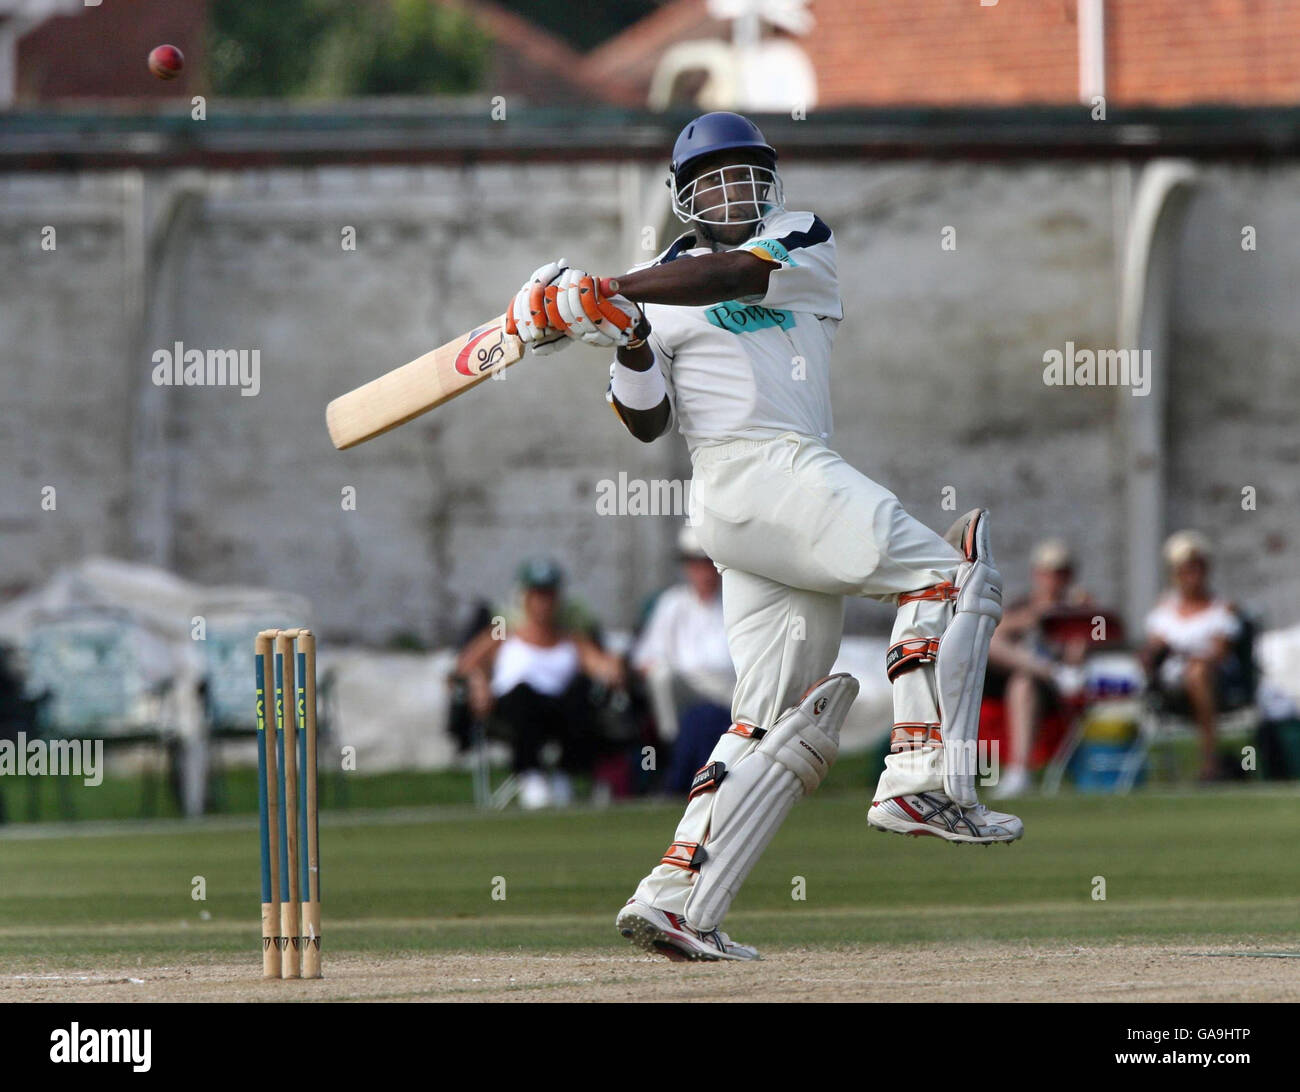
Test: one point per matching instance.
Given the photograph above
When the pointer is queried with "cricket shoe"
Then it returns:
(664, 933)
(936, 814)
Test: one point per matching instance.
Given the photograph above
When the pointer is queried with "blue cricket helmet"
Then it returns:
(717, 132)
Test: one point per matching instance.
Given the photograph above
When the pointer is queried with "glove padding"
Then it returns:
(578, 308)
(526, 316)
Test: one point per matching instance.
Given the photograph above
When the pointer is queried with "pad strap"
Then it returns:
(909, 655)
(747, 731)
(913, 736)
(707, 779)
(688, 855)
(941, 592)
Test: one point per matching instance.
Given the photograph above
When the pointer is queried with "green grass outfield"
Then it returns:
(1206, 866)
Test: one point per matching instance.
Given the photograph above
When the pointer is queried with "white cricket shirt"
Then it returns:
(749, 366)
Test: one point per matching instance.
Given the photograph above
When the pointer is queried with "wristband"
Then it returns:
(638, 390)
(640, 331)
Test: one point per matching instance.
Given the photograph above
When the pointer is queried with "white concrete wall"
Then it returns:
(938, 379)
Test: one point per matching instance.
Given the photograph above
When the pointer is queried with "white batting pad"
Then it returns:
(963, 655)
(754, 798)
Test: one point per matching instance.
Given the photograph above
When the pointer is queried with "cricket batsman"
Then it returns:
(728, 334)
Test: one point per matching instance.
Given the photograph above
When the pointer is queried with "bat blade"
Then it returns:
(424, 384)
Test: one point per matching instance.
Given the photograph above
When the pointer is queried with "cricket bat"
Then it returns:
(424, 384)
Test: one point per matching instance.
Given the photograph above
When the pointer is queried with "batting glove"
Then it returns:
(526, 316)
(585, 313)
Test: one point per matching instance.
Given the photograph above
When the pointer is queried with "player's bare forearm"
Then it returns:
(700, 281)
(645, 425)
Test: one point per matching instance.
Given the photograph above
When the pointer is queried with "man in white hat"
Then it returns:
(684, 654)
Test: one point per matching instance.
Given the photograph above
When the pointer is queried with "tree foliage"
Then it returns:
(340, 48)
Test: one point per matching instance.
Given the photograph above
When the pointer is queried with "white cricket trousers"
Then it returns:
(793, 529)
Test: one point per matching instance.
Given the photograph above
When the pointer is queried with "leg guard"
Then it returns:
(963, 653)
(669, 883)
(752, 800)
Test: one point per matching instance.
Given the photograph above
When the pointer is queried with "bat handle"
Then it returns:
(608, 286)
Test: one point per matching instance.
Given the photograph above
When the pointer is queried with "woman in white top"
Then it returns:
(527, 680)
(1189, 638)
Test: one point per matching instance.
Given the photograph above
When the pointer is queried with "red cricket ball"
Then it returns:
(166, 62)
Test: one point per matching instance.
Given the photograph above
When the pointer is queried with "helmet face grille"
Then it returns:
(741, 193)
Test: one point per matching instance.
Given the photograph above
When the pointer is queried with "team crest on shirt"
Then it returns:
(739, 318)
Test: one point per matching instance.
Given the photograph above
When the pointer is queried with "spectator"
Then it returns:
(1041, 671)
(18, 713)
(685, 643)
(533, 682)
(1190, 632)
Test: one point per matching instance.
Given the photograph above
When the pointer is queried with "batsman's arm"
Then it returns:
(699, 281)
(645, 424)
(693, 282)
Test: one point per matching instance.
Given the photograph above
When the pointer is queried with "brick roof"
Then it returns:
(865, 52)
(956, 52)
(65, 56)
(624, 64)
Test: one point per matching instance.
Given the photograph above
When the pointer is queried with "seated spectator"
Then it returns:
(19, 714)
(1040, 670)
(1190, 633)
(533, 682)
(686, 637)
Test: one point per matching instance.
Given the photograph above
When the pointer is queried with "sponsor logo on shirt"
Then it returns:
(737, 318)
(775, 249)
